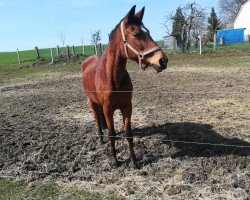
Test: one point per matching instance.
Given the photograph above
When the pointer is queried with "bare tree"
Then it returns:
(191, 25)
(62, 37)
(96, 37)
(194, 17)
(229, 10)
(199, 28)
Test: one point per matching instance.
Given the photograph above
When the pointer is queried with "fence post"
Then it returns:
(51, 54)
(83, 50)
(67, 51)
(215, 41)
(37, 53)
(57, 51)
(18, 56)
(200, 37)
(95, 49)
(73, 50)
(174, 44)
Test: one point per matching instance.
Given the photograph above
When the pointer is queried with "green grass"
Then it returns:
(224, 56)
(9, 73)
(209, 48)
(21, 189)
(238, 46)
(7, 58)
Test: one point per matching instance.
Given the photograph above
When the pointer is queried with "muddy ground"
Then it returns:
(48, 132)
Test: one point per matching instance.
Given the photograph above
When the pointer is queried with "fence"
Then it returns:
(202, 45)
(51, 53)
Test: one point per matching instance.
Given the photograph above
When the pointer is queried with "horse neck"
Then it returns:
(116, 60)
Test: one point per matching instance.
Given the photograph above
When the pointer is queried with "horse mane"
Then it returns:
(136, 21)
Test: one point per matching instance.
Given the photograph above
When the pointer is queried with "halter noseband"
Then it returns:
(140, 55)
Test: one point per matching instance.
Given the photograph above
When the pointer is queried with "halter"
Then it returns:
(140, 55)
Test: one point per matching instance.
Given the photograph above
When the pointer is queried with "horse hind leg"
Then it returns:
(102, 117)
(98, 117)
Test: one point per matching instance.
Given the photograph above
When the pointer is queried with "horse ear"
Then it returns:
(140, 14)
(130, 15)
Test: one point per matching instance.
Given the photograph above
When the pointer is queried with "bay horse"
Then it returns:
(107, 83)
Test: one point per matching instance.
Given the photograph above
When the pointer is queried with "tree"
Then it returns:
(62, 37)
(213, 24)
(199, 28)
(195, 18)
(192, 22)
(178, 28)
(229, 10)
(96, 37)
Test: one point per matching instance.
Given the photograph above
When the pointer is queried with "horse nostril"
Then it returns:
(163, 62)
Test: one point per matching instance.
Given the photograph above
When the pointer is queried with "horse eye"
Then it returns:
(137, 35)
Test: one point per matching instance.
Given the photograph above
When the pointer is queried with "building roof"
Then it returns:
(240, 10)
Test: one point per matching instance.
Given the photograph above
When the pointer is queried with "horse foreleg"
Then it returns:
(98, 118)
(108, 113)
(127, 113)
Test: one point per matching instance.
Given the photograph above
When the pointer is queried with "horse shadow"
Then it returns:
(196, 140)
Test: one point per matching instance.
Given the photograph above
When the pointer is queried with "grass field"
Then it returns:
(21, 190)
(50, 99)
(227, 56)
(7, 58)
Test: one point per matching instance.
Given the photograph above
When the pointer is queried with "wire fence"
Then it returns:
(241, 93)
(151, 139)
(179, 141)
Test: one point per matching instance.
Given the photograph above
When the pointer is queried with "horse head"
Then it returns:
(138, 43)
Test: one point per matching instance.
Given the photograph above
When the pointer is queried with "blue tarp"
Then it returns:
(230, 36)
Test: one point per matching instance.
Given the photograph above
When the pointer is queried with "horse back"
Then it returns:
(88, 62)
(91, 68)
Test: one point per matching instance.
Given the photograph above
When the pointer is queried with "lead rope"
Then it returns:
(139, 55)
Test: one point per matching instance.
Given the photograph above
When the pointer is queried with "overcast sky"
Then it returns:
(28, 23)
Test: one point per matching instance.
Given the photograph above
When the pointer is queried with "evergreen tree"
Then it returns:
(213, 24)
(178, 28)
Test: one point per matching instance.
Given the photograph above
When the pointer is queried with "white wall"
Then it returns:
(243, 19)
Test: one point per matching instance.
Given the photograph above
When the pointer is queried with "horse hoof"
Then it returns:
(134, 165)
(113, 163)
(101, 142)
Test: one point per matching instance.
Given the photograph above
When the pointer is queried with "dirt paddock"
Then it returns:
(48, 132)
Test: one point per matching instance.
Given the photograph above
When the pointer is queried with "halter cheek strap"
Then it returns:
(140, 55)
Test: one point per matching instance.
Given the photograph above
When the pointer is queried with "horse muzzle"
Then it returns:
(162, 65)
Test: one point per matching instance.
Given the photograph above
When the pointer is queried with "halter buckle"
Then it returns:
(140, 55)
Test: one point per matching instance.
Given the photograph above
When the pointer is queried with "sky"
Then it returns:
(25, 24)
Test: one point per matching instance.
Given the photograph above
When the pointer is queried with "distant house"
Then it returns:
(242, 19)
